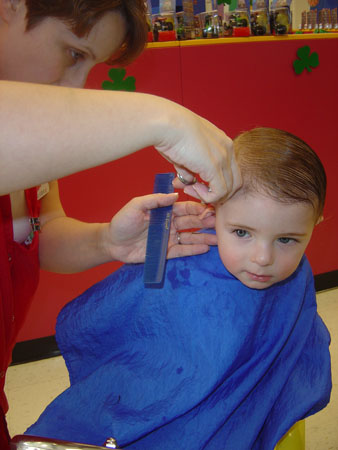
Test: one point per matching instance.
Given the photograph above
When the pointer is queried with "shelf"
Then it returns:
(250, 39)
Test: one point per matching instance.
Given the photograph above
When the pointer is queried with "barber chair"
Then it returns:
(294, 439)
(22, 442)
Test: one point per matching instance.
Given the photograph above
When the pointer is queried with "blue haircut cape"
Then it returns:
(203, 363)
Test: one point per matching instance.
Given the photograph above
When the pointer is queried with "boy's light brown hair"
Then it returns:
(281, 165)
(81, 16)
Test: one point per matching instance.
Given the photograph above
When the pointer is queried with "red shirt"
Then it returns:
(19, 277)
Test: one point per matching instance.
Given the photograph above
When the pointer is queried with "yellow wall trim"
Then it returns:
(231, 40)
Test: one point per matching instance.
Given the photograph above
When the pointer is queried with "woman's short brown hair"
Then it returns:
(282, 165)
(81, 16)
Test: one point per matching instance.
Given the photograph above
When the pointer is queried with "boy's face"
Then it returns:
(261, 241)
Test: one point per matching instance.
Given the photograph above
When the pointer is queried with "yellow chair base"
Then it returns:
(294, 439)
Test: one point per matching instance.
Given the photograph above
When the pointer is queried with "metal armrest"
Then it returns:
(22, 442)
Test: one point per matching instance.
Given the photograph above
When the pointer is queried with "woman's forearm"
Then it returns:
(48, 132)
(69, 246)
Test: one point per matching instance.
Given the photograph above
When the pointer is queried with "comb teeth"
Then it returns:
(158, 234)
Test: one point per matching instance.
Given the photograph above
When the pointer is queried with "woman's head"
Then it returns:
(281, 165)
(59, 42)
(82, 15)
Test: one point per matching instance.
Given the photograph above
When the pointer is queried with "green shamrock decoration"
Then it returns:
(306, 60)
(118, 82)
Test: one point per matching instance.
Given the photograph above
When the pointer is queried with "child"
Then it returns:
(225, 356)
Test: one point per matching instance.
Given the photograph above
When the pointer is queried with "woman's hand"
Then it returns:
(196, 146)
(127, 233)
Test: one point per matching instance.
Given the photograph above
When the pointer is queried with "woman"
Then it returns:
(50, 129)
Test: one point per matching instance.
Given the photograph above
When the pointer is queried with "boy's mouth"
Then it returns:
(260, 278)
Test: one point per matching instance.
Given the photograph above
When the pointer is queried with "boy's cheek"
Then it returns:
(228, 260)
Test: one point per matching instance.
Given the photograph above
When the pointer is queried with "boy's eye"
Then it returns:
(285, 240)
(241, 233)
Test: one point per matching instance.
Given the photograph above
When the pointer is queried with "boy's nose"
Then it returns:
(262, 254)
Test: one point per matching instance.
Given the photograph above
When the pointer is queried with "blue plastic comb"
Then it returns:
(158, 234)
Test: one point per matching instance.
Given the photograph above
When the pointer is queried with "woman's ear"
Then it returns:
(8, 9)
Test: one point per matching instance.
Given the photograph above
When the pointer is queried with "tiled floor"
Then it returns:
(30, 387)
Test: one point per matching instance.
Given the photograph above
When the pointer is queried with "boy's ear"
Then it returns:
(320, 219)
(8, 9)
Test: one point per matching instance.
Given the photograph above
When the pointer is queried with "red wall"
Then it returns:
(236, 86)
